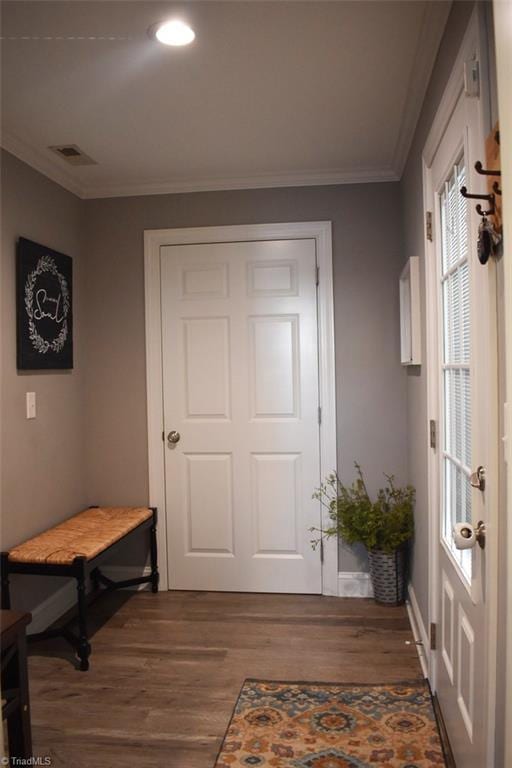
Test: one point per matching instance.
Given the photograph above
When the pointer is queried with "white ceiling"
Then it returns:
(269, 94)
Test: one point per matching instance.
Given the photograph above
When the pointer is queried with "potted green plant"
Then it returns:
(384, 526)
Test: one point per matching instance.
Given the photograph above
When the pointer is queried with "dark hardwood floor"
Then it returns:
(166, 670)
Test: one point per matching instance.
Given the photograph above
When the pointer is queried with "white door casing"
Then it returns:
(503, 34)
(462, 591)
(165, 251)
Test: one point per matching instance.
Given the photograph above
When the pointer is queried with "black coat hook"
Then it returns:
(481, 170)
(490, 198)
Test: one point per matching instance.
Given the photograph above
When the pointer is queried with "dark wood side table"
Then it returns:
(15, 698)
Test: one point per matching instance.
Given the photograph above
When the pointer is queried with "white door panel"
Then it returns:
(209, 503)
(206, 348)
(276, 500)
(240, 374)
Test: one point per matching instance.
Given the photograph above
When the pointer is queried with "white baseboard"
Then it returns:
(354, 584)
(64, 598)
(419, 631)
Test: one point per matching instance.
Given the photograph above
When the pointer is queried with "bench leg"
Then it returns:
(84, 648)
(15, 679)
(6, 596)
(155, 577)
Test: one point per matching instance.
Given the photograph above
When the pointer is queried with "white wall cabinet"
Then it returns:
(410, 321)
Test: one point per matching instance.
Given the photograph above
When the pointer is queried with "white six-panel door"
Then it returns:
(240, 386)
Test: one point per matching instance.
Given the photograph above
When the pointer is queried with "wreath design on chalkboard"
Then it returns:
(46, 264)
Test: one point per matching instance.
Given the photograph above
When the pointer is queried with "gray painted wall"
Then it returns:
(98, 452)
(411, 196)
(42, 459)
(371, 385)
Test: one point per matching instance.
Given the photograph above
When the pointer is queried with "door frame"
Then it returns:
(154, 239)
(503, 35)
(473, 43)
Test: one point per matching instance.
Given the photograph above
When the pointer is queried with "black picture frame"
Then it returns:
(44, 307)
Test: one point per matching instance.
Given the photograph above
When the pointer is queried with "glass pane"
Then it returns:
(465, 307)
(456, 405)
(459, 518)
(466, 417)
(449, 425)
(463, 212)
(452, 215)
(468, 494)
(444, 229)
(448, 496)
(456, 371)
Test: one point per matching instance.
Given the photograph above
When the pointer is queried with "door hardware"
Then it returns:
(433, 636)
(480, 534)
(477, 479)
(428, 225)
(173, 437)
(466, 535)
(433, 434)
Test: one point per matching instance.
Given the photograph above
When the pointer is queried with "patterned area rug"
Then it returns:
(324, 725)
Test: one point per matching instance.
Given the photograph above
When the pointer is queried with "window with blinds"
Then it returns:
(456, 369)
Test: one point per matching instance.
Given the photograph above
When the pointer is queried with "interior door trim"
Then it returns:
(503, 33)
(321, 232)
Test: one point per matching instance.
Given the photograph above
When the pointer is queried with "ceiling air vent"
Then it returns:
(72, 154)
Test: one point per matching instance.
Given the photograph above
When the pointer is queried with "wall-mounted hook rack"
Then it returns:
(490, 231)
(490, 198)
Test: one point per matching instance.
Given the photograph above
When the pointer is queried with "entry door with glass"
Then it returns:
(465, 376)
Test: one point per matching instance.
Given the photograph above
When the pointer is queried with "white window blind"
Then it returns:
(456, 370)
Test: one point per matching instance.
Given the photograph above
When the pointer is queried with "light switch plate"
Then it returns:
(31, 405)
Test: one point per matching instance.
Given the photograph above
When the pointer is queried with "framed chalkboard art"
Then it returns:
(44, 307)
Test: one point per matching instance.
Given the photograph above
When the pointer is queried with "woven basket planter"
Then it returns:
(388, 574)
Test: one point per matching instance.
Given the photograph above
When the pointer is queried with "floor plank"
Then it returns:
(166, 670)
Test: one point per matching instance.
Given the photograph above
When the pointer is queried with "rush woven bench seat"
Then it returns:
(76, 548)
(84, 535)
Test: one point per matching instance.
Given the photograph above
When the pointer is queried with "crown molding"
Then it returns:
(306, 179)
(432, 27)
(40, 162)
(52, 169)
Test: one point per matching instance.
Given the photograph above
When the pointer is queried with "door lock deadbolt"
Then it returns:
(477, 479)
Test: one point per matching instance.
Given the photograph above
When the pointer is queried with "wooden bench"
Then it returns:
(76, 548)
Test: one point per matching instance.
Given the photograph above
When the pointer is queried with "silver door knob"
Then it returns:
(466, 535)
(173, 437)
(477, 479)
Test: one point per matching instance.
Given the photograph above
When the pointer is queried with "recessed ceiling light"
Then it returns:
(174, 32)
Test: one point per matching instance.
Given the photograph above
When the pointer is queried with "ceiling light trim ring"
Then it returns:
(173, 32)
